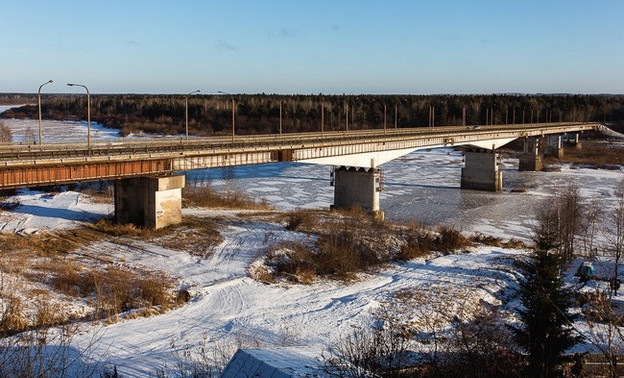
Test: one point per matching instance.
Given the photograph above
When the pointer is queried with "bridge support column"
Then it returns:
(357, 187)
(531, 158)
(575, 142)
(151, 202)
(553, 146)
(481, 171)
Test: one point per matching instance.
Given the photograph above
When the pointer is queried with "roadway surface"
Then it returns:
(25, 165)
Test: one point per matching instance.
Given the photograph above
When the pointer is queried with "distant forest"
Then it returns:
(260, 113)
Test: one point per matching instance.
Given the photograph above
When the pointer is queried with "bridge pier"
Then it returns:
(531, 158)
(553, 146)
(575, 142)
(357, 187)
(481, 171)
(151, 202)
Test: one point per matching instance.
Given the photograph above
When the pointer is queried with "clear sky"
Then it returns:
(316, 46)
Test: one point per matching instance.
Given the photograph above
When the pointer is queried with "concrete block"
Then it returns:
(151, 202)
(530, 162)
(356, 187)
(481, 172)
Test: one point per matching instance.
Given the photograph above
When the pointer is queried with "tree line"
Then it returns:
(264, 113)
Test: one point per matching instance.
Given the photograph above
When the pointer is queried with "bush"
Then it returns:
(350, 243)
(293, 260)
(205, 196)
(301, 220)
(13, 315)
(450, 239)
(420, 241)
(155, 291)
(68, 280)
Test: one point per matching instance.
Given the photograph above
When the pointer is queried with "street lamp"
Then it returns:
(233, 114)
(186, 109)
(492, 114)
(385, 118)
(39, 98)
(322, 119)
(88, 112)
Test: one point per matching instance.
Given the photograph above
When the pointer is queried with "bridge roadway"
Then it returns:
(24, 165)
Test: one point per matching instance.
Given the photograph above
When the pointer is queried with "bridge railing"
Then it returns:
(20, 151)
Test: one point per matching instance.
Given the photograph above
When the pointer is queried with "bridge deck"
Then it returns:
(23, 165)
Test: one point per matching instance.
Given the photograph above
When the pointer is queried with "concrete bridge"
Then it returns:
(148, 190)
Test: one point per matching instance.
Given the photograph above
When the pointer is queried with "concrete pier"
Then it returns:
(481, 171)
(531, 158)
(575, 142)
(553, 146)
(151, 202)
(357, 187)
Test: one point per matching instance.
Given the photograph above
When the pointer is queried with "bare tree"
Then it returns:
(570, 209)
(615, 237)
(559, 222)
(5, 133)
(603, 331)
(29, 135)
(593, 217)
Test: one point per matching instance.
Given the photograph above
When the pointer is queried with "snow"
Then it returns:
(40, 211)
(230, 308)
(273, 363)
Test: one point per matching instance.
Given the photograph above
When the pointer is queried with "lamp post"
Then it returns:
(88, 112)
(346, 116)
(492, 114)
(39, 100)
(385, 118)
(233, 114)
(396, 116)
(186, 109)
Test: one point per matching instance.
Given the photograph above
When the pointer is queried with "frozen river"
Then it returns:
(423, 187)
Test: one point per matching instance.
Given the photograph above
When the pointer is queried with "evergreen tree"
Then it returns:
(545, 333)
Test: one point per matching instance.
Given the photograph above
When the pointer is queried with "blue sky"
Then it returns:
(317, 46)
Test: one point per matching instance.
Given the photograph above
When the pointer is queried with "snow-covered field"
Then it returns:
(228, 307)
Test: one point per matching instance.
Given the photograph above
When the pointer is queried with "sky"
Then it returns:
(316, 46)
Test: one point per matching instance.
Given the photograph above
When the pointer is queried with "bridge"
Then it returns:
(148, 190)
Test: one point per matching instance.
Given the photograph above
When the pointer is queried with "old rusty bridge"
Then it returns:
(146, 184)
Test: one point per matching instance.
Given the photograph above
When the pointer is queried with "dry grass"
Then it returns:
(206, 196)
(194, 235)
(41, 269)
(301, 220)
(421, 242)
(109, 227)
(43, 244)
(13, 315)
(103, 195)
(595, 154)
(68, 278)
(348, 243)
(497, 242)
(13, 242)
(119, 290)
